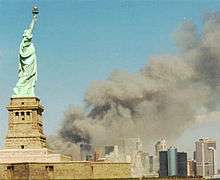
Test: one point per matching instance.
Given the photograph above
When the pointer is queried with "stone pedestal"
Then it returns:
(30, 155)
(25, 140)
(25, 125)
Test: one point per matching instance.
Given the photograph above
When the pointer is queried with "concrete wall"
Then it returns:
(111, 170)
(71, 170)
(67, 170)
(64, 170)
(10, 171)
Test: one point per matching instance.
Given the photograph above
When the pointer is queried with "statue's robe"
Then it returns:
(27, 74)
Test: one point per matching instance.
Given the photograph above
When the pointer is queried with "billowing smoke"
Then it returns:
(161, 100)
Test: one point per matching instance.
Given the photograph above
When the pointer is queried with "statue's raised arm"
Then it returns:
(35, 11)
(31, 27)
(27, 72)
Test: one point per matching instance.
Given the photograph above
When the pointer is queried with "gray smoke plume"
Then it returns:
(161, 100)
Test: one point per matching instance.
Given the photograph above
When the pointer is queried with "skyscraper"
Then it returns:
(172, 161)
(205, 156)
(151, 163)
(133, 153)
(160, 146)
(109, 149)
(85, 151)
(191, 168)
(131, 145)
(163, 163)
(182, 164)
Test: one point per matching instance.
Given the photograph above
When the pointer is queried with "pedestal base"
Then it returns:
(25, 124)
(31, 155)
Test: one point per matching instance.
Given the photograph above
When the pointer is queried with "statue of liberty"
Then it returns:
(27, 71)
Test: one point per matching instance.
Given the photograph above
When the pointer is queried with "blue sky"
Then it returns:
(80, 41)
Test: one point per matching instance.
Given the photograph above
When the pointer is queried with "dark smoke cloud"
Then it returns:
(73, 123)
(161, 100)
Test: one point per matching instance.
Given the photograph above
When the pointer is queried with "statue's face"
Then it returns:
(27, 41)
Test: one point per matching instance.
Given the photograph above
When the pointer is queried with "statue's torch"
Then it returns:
(35, 10)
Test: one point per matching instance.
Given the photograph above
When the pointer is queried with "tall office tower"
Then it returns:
(132, 151)
(151, 163)
(172, 161)
(131, 145)
(181, 164)
(191, 168)
(97, 155)
(205, 157)
(85, 151)
(112, 154)
(160, 146)
(109, 149)
(163, 164)
(146, 163)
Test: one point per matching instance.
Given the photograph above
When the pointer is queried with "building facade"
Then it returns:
(182, 164)
(85, 152)
(163, 163)
(172, 163)
(191, 168)
(205, 156)
(160, 146)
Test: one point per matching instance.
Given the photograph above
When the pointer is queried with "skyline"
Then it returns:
(106, 36)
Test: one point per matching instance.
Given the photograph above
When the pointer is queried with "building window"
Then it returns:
(49, 168)
(22, 113)
(16, 113)
(10, 168)
(28, 113)
(22, 146)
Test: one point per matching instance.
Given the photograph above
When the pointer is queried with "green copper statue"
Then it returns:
(27, 72)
